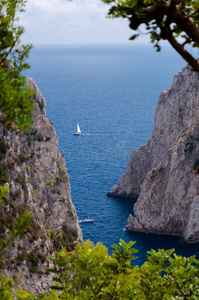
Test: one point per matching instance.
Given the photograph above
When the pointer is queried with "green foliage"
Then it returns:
(96, 275)
(33, 259)
(21, 226)
(40, 137)
(3, 193)
(168, 276)
(50, 182)
(15, 97)
(28, 169)
(59, 239)
(64, 238)
(22, 157)
(6, 286)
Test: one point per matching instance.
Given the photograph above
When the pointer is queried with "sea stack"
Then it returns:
(163, 173)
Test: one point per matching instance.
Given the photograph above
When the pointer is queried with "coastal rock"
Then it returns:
(176, 109)
(39, 184)
(168, 202)
(164, 172)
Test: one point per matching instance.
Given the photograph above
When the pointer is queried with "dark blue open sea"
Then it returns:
(112, 91)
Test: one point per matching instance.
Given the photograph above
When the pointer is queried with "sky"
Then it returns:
(74, 21)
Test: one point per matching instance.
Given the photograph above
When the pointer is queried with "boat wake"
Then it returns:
(97, 133)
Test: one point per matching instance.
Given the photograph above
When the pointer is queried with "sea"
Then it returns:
(111, 90)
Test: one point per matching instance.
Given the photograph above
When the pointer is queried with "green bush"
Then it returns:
(40, 137)
(33, 259)
(28, 169)
(50, 182)
(97, 275)
(22, 157)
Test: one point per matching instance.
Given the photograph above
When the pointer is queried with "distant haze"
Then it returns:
(76, 21)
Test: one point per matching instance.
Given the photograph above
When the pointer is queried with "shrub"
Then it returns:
(41, 257)
(63, 171)
(22, 157)
(40, 137)
(58, 179)
(33, 259)
(28, 169)
(50, 182)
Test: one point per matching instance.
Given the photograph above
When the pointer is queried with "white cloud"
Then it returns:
(76, 21)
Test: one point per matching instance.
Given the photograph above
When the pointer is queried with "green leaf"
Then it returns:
(133, 37)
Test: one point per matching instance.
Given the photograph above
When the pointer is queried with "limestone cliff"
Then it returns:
(163, 173)
(38, 183)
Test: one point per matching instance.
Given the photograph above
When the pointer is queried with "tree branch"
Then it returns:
(193, 13)
(186, 42)
(177, 15)
(166, 33)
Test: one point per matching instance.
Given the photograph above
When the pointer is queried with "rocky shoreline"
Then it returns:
(163, 173)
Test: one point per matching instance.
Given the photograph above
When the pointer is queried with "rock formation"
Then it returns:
(38, 183)
(164, 172)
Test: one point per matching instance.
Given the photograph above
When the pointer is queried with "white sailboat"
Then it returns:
(78, 130)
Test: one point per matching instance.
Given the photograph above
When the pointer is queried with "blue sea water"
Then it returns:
(112, 92)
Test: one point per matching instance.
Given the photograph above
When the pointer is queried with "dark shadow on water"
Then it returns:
(147, 241)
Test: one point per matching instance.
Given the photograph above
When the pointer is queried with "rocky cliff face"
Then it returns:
(38, 183)
(163, 173)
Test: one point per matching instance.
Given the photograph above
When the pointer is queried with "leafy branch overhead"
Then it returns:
(172, 20)
(15, 97)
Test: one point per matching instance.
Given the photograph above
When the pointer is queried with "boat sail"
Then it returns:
(78, 130)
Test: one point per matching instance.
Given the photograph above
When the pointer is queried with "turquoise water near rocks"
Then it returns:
(112, 92)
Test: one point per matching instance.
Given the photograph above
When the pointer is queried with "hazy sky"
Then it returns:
(76, 21)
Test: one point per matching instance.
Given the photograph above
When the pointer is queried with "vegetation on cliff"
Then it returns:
(90, 273)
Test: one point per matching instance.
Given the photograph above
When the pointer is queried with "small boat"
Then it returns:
(87, 221)
(78, 130)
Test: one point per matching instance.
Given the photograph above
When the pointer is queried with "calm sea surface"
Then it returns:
(112, 92)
